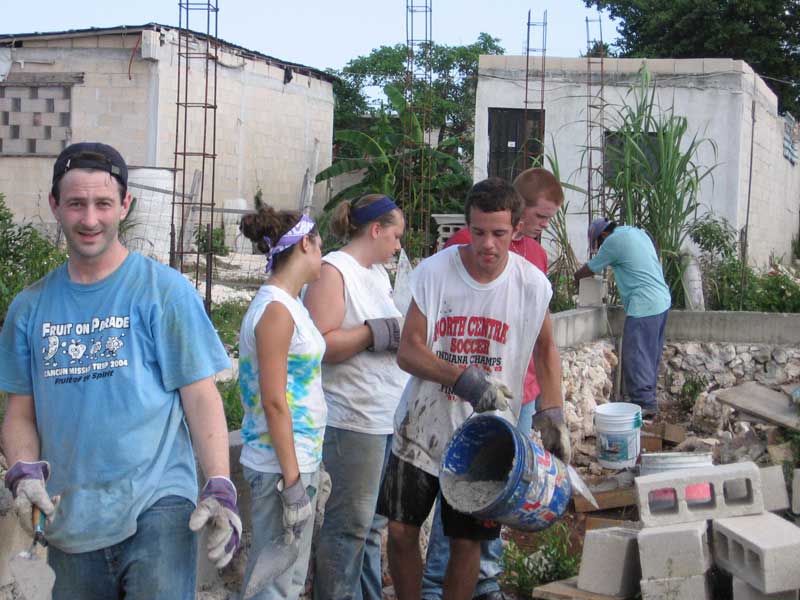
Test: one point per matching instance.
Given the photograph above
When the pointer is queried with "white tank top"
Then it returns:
(363, 391)
(490, 325)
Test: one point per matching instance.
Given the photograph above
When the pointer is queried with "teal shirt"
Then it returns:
(638, 273)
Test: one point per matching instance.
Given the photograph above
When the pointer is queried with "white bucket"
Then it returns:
(618, 426)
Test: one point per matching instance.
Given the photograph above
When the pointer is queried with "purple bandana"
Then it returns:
(289, 239)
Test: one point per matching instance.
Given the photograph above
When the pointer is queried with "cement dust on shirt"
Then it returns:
(493, 326)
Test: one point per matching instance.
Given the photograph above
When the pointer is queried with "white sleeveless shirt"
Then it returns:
(489, 325)
(363, 391)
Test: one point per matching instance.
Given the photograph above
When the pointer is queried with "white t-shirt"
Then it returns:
(492, 325)
(303, 387)
(363, 391)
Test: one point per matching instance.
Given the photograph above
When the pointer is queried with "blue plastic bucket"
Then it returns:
(492, 471)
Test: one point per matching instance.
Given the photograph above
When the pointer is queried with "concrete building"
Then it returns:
(720, 99)
(119, 85)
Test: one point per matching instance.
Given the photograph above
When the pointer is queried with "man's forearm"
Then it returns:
(547, 362)
(20, 438)
(206, 418)
(420, 361)
(584, 271)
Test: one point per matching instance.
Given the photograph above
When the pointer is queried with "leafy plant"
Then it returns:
(694, 385)
(392, 152)
(217, 246)
(231, 402)
(227, 319)
(25, 257)
(653, 175)
(714, 236)
(551, 561)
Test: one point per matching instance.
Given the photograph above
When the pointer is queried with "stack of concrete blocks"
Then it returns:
(722, 520)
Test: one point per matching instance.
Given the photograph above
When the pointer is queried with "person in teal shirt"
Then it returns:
(630, 252)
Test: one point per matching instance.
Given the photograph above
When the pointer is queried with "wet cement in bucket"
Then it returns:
(485, 479)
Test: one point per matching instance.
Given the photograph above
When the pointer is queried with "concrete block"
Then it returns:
(662, 497)
(591, 291)
(674, 550)
(761, 549)
(744, 591)
(676, 588)
(610, 562)
(53, 147)
(796, 492)
(773, 488)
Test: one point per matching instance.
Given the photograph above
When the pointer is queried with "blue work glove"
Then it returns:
(26, 481)
(217, 510)
(481, 391)
(549, 422)
(296, 509)
(385, 334)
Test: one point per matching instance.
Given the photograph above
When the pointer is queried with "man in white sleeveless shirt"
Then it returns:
(477, 313)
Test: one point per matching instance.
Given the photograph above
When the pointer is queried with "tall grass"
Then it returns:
(653, 175)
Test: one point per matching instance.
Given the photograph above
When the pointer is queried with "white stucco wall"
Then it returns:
(265, 128)
(715, 96)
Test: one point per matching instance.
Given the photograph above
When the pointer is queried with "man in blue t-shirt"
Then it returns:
(108, 362)
(630, 252)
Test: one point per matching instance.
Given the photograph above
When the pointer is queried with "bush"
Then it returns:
(727, 289)
(25, 257)
(551, 561)
(227, 319)
(232, 403)
(218, 247)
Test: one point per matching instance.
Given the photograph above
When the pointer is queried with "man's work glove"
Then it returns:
(549, 422)
(481, 391)
(217, 510)
(296, 509)
(26, 481)
(385, 334)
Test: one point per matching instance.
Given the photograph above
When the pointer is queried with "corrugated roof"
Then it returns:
(7, 38)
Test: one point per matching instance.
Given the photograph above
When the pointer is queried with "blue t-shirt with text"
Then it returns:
(104, 362)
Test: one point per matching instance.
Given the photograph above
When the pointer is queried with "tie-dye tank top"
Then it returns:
(303, 387)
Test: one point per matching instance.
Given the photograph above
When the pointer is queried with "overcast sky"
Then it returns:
(324, 33)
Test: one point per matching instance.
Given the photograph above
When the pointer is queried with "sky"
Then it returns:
(326, 33)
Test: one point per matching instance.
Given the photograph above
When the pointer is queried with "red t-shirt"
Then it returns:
(532, 251)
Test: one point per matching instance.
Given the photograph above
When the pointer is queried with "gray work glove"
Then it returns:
(481, 391)
(296, 509)
(217, 510)
(323, 493)
(385, 334)
(26, 481)
(549, 422)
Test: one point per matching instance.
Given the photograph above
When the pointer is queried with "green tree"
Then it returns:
(454, 73)
(764, 33)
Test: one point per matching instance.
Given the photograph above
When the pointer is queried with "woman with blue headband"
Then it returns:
(280, 355)
(353, 307)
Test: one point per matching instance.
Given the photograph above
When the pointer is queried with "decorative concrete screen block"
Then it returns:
(674, 550)
(610, 563)
(773, 488)
(764, 550)
(744, 591)
(796, 492)
(676, 588)
(699, 494)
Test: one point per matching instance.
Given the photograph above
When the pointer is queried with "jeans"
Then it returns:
(642, 344)
(348, 554)
(439, 545)
(275, 570)
(158, 562)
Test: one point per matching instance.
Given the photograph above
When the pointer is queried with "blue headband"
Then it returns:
(370, 212)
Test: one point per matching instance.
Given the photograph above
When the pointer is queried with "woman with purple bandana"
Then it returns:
(280, 355)
(353, 307)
